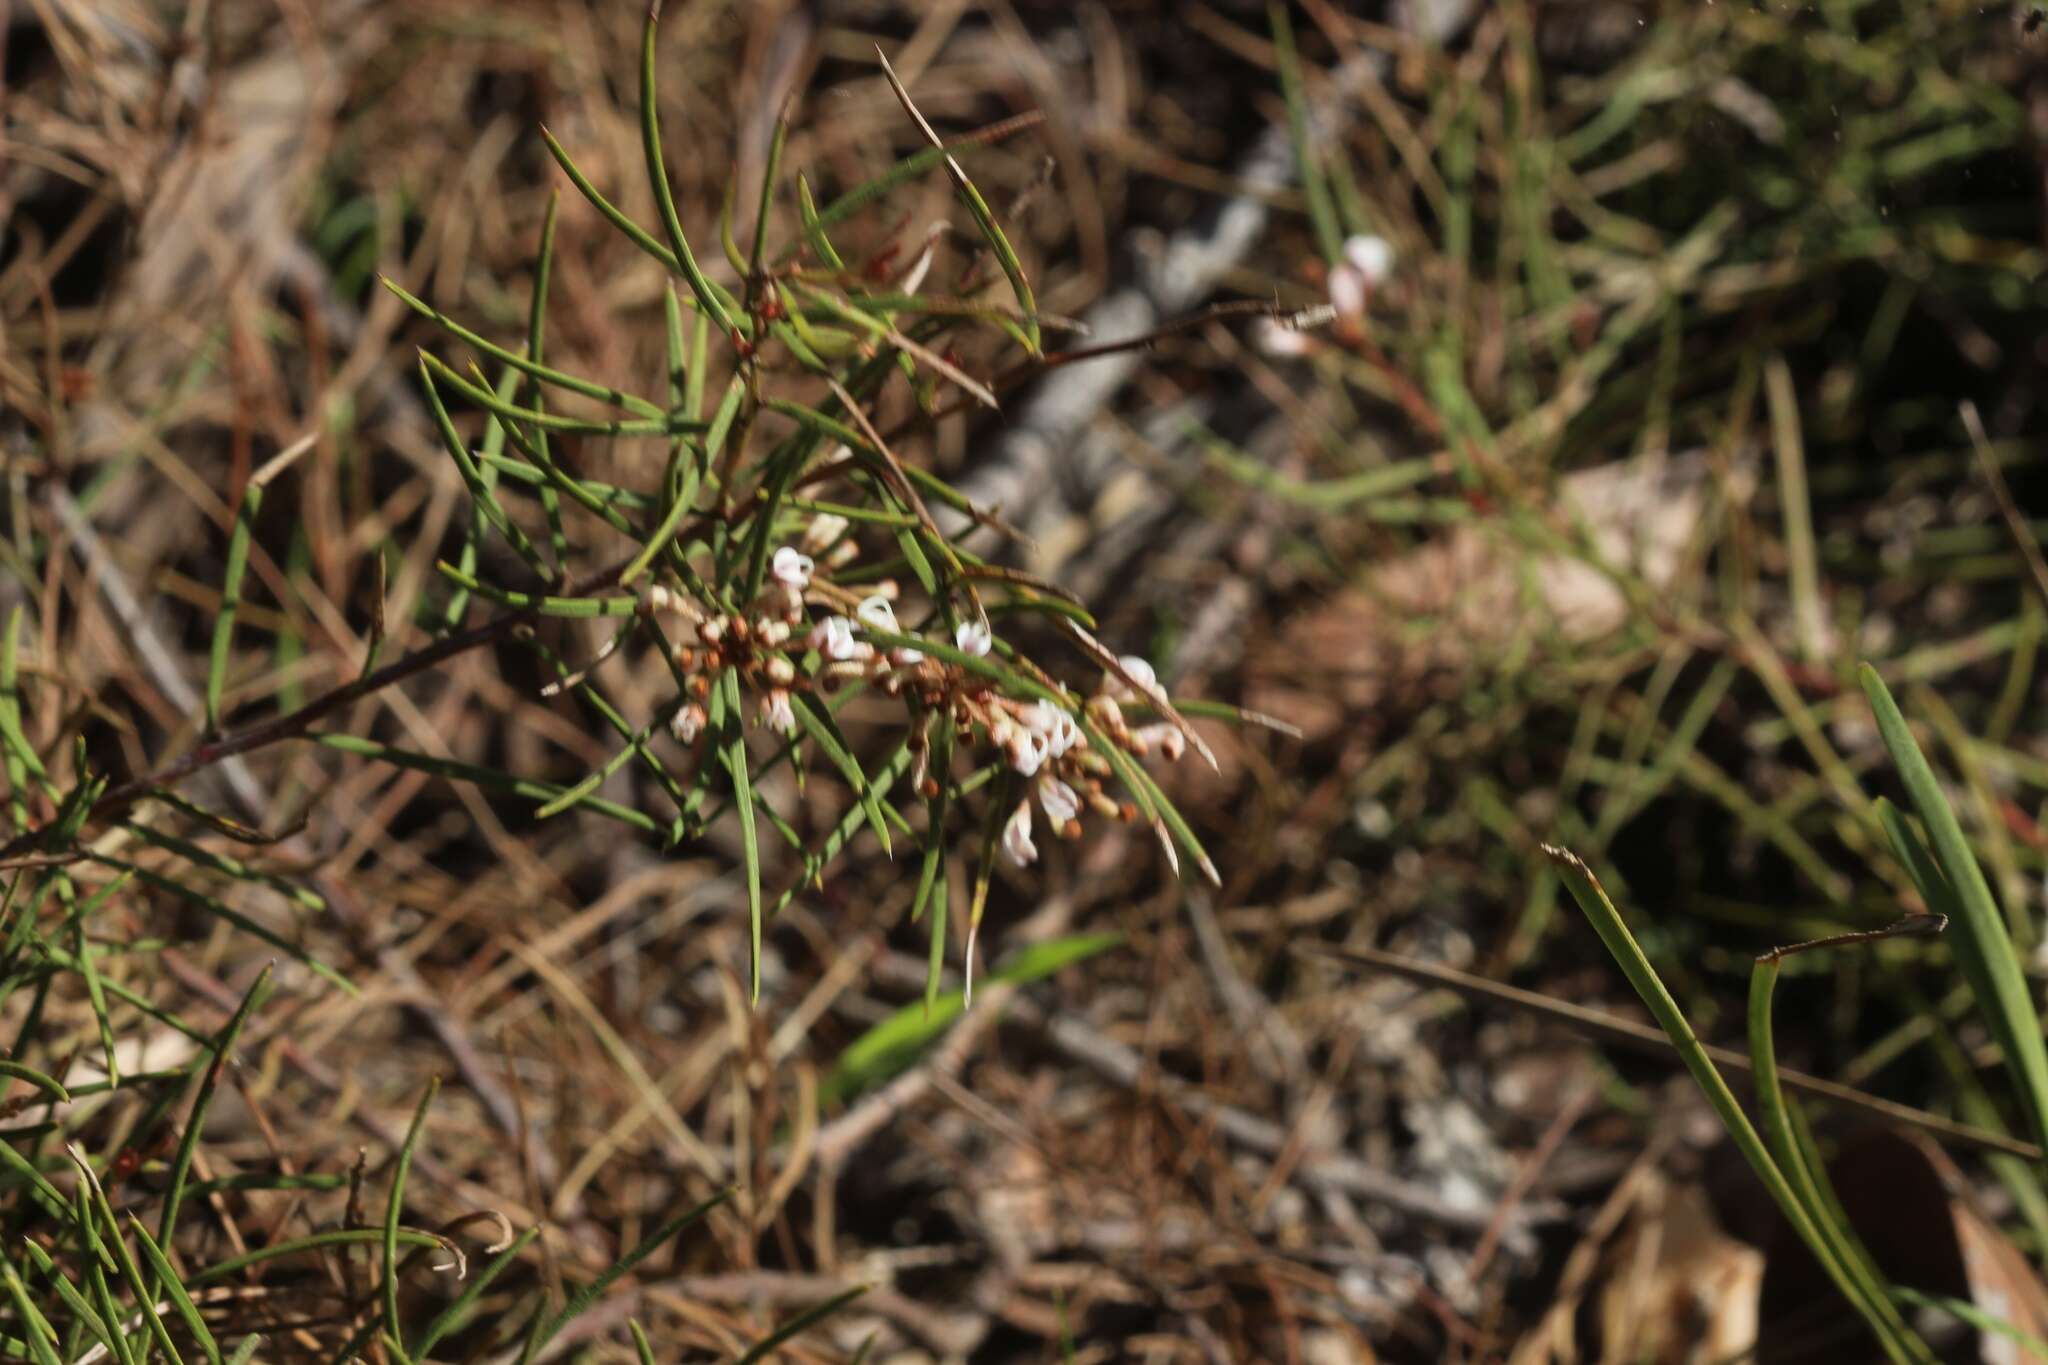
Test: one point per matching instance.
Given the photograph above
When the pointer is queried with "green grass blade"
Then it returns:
(393, 1204)
(195, 1123)
(1983, 945)
(799, 1324)
(1322, 212)
(452, 1317)
(181, 1299)
(1622, 947)
(1833, 1242)
(891, 1045)
(35, 1329)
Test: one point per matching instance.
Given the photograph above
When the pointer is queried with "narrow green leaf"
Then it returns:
(1983, 945)
(42, 1081)
(1832, 1242)
(394, 1204)
(195, 1123)
(480, 489)
(35, 1329)
(529, 363)
(544, 1332)
(734, 748)
(824, 732)
(453, 1316)
(482, 777)
(891, 1045)
(230, 600)
(657, 176)
(1622, 947)
(181, 1300)
(800, 1323)
(577, 608)
(665, 425)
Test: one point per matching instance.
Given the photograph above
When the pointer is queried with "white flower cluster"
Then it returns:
(1042, 741)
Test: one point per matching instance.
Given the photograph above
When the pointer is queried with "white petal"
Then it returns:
(1140, 672)
(833, 638)
(825, 528)
(876, 613)
(1028, 751)
(1372, 257)
(791, 566)
(972, 637)
(1017, 836)
(1347, 291)
(1060, 801)
(1278, 341)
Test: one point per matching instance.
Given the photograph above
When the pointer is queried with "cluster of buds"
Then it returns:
(1045, 747)
(753, 642)
(1041, 741)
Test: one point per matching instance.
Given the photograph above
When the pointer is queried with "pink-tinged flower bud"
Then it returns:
(1372, 257)
(1164, 737)
(1347, 291)
(1017, 836)
(824, 531)
(1060, 802)
(903, 656)
(712, 631)
(780, 670)
(1139, 672)
(972, 637)
(776, 711)
(833, 638)
(772, 632)
(791, 567)
(688, 723)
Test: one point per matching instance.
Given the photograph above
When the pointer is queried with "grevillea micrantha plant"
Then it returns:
(789, 557)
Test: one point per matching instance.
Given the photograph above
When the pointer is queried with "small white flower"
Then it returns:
(688, 723)
(1028, 750)
(1060, 802)
(1056, 726)
(792, 567)
(1347, 291)
(777, 713)
(1017, 836)
(1278, 341)
(824, 530)
(972, 637)
(876, 614)
(1372, 257)
(1137, 670)
(833, 638)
